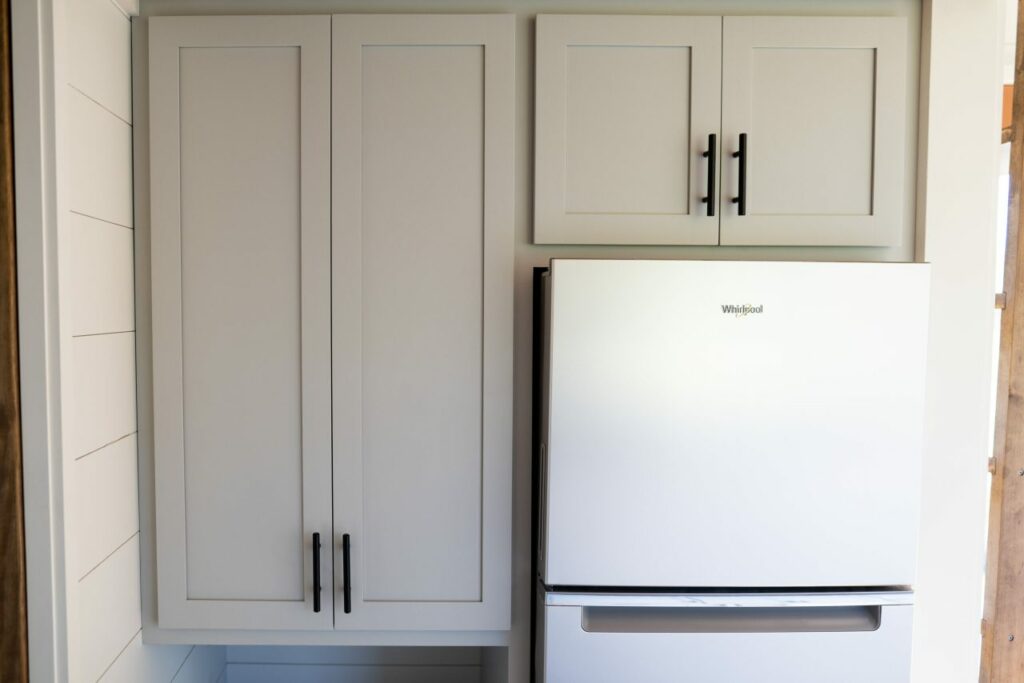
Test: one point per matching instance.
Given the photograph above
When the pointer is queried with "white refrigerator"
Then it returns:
(729, 471)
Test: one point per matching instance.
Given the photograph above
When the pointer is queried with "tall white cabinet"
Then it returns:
(331, 217)
(720, 130)
(241, 283)
(422, 253)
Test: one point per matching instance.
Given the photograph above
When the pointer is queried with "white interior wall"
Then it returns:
(957, 211)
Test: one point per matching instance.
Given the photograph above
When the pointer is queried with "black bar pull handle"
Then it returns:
(741, 154)
(316, 572)
(711, 155)
(346, 572)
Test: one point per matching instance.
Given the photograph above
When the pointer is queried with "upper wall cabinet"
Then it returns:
(240, 219)
(625, 107)
(810, 148)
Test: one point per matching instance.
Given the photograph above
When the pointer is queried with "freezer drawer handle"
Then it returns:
(711, 155)
(316, 572)
(731, 619)
(346, 573)
(741, 154)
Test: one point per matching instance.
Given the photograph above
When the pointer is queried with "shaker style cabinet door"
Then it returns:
(422, 278)
(816, 109)
(626, 107)
(240, 170)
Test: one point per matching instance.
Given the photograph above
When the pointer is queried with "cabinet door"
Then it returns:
(240, 113)
(822, 103)
(625, 105)
(422, 275)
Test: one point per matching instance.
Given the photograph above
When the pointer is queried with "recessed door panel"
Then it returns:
(630, 105)
(624, 108)
(812, 105)
(821, 105)
(422, 345)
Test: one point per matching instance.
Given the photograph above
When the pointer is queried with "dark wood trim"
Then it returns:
(1002, 655)
(13, 610)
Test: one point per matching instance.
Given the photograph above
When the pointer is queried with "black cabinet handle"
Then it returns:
(346, 572)
(316, 572)
(711, 155)
(741, 154)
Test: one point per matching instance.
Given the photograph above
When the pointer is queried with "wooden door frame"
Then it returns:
(1002, 655)
(13, 598)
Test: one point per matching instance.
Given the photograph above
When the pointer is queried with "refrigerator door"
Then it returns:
(802, 643)
(733, 424)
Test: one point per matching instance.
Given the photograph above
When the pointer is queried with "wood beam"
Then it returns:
(13, 611)
(1002, 659)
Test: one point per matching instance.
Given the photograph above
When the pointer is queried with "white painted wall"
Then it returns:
(84, 53)
(957, 211)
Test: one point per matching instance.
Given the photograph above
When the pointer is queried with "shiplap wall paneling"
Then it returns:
(101, 282)
(203, 665)
(101, 67)
(624, 108)
(106, 503)
(97, 298)
(371, 664)
(822, 101)
(422, 281)
(140, 663)
(355, 656)
(109, 608)
(241, 318)
(102, 391)
(327, 673)
(99, 160)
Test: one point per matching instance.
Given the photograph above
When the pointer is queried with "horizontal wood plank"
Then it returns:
(99, 161)
(102, 289)
(100, 54)
(326, 673)
(106, 503)
(109, 612)
(363, 656)
(102, 399)
(203, 665)
(150, 663)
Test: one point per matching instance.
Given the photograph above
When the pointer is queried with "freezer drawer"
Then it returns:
(803, 642)
(744, 425)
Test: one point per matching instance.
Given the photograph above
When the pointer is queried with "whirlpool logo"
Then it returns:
(743, 310)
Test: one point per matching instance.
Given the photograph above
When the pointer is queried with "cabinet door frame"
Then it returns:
(888, 37)
(553, 223)
(311, 35)
(496, 34)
